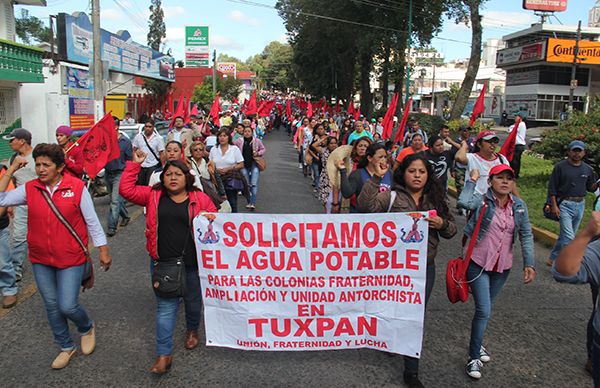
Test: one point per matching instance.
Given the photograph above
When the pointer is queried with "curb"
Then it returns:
(540, 235)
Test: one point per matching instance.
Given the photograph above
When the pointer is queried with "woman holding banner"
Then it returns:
(417, 190)
(505, 219)
(171, 206)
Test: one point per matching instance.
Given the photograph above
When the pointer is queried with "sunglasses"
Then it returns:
(493, 141)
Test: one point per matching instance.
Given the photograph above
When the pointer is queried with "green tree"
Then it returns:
(31, 29)
(228, 88)
(274, 66)
(467, 11)
(157, 30)
(241, 66)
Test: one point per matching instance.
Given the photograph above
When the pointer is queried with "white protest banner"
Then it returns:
(313, 282)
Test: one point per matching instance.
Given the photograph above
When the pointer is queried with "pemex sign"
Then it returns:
(197, 46)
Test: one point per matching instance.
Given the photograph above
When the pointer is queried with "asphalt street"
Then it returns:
(536, 335)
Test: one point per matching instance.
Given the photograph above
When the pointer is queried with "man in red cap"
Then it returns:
(483, 159)
(73, 154)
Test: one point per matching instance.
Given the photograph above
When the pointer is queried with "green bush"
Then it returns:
(478, 126)
(578, 126)
(431, 124)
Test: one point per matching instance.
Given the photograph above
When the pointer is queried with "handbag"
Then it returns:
(261, 163)
(457, 285)
(547, 210)
(87, 280)
(168, 275)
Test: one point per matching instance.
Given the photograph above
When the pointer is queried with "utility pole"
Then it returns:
(408, 44)
(574, 68)
(97, 62)
(214, 72)
(433, 87)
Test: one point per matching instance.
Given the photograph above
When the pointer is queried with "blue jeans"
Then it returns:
(8, 280)
(18, 247)
(485, 289)
(571, 214)
(315, 172)
(117, 203)
(252, 176)
(596, 359)
(59, 289)
(166, 312)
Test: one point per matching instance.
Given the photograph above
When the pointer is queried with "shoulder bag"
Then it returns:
(261, 163)
(547, 209)
(158, 164)
(87, 280)
(457, 285)
(168, 275)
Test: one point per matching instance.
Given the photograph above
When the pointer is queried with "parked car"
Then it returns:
(160, 127)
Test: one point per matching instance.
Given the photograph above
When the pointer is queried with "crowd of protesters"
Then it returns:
(207, 164)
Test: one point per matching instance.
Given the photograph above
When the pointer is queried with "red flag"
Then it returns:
(180, 111)
(265, 108)
(170, 101)
(388, 120)
(214, 110)
(479, 107)
(400, 132)
(100, 145)
(186, 116)
(236, 101)
(508, 148)
(251, 107)
(194, 111)
(357, 114)
(338, 107)
(288, 110)
(309, 112)
(351, 108)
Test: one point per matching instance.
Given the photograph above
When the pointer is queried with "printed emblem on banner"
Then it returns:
(209, 236)
(414, 235)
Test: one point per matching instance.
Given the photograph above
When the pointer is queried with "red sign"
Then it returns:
(545, 5)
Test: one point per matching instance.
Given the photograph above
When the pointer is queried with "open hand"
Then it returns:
(593, 226)
(139, 156)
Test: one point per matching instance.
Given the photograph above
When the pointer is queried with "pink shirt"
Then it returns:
(494, 252)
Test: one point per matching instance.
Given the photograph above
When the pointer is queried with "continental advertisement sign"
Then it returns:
(563, 50)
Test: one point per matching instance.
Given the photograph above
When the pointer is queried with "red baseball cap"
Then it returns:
(486, 135)
(500, 168)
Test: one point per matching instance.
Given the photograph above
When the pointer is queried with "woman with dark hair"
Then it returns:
(416, 145)
(505, 217)
(313, 153)
(58, 253)
(229, 161)
(351, 155)
(416, 189)
(324, 189)
(352, 184)
(171, 206)
(251, 148)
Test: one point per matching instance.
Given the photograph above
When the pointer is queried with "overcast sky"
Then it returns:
(242, 30)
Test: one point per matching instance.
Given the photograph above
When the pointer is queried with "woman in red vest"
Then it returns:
(171, 206)
(57, 256)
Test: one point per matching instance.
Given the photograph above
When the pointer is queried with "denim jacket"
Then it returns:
(473, 201)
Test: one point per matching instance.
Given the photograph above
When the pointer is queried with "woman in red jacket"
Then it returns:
(57, 257)
(171, 206)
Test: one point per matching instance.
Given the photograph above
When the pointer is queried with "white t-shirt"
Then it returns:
(521, 132)
(232, 156)
(157, 144)
(484, 166)
(211, 141)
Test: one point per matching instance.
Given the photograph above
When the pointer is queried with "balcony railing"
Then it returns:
(20, 63)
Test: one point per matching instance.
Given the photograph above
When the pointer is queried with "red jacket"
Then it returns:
(50, 242)
(74, 161)
(149, 197)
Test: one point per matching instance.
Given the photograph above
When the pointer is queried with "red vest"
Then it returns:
(50, 243)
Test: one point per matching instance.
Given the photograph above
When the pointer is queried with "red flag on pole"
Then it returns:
(100, 145)
(479, 107)
(251, 107)
(309, 112)
(508, 148)
(170, 101)
(265, 108)
(235, 101)
(288, 110)
(400, 132)
(186, 117)
(214, 110)
(180, 111)
(194, 111)
(351, 108)
(357, 114)
(338, 107)
(388, 120)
